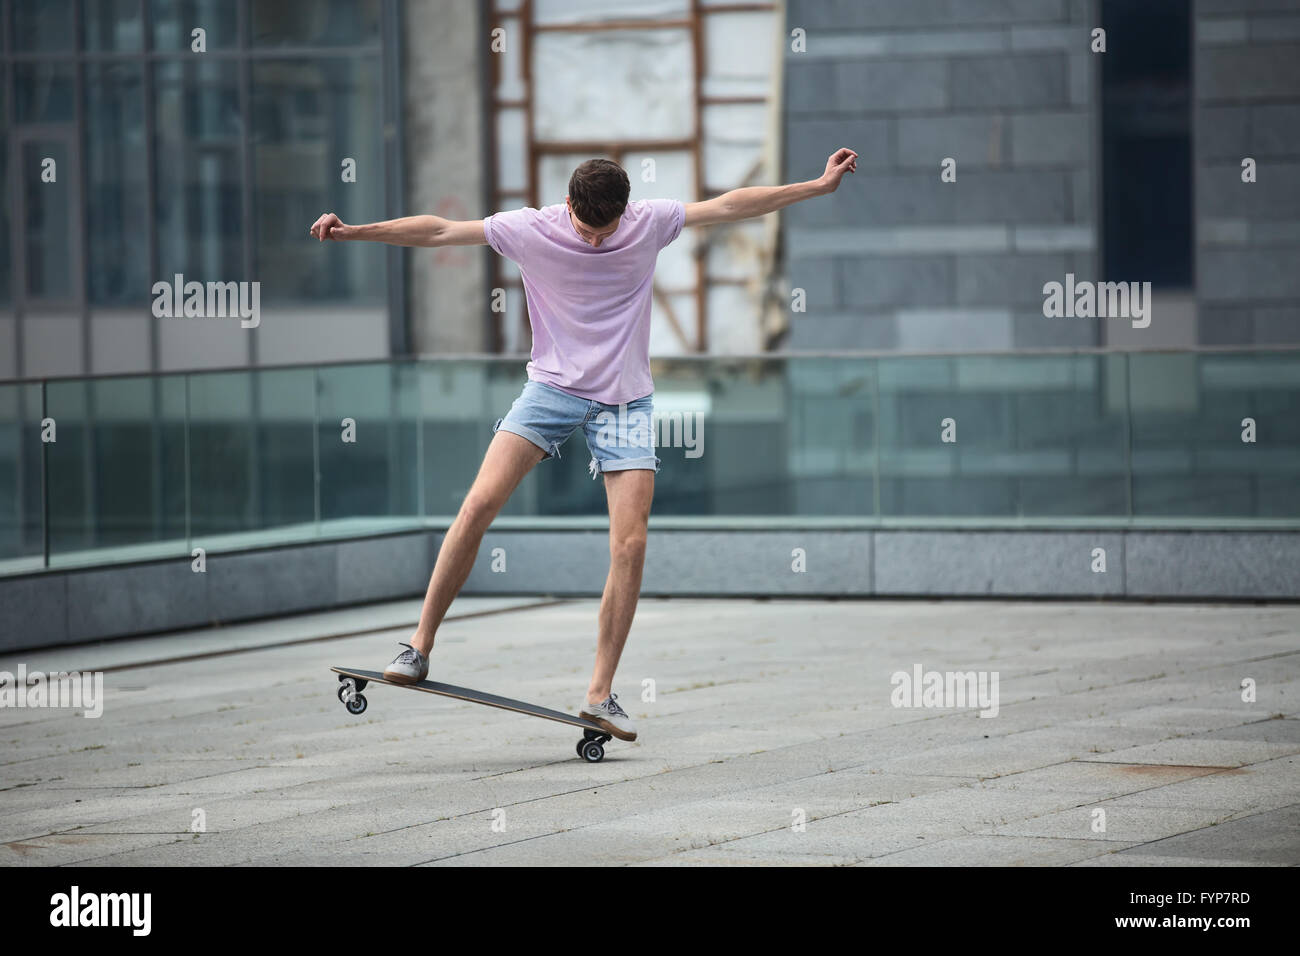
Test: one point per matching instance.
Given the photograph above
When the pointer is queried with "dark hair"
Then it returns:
(598, 191)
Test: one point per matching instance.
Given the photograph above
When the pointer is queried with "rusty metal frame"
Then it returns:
(526, 30)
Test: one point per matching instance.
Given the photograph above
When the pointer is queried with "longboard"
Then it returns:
(352, 682)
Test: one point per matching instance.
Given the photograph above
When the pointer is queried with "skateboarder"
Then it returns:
(587, 266)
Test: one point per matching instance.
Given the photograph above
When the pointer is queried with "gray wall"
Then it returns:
(898, 259)
(1247, 89)
(66, 607)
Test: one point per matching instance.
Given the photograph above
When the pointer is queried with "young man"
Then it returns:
(587, 267)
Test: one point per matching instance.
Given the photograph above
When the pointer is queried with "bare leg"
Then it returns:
(509, 457)
(629, 494)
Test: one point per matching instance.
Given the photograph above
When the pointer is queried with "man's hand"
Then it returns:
(843, 161)
(330, 226)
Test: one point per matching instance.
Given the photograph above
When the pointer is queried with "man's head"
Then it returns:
(598, 191)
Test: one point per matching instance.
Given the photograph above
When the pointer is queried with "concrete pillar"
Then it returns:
(445, 170)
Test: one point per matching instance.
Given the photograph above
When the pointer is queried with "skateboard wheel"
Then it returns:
(357, 705)
(592, 751)
(343, 693)
(581, 744)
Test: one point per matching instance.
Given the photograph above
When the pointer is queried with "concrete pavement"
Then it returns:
(771, 737)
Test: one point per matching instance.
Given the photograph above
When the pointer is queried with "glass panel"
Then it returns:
(1189, 456)
(174, 22)
(111, 25)
(1032, 437)
(47, 235)
(285, 412)
(200, 229)
(316, 23)
(459, 402)
(1036, 437)
(116, 473)
(21, 544)
(310, 116)
(373, 474)
(117, 243)
(251, 458)
(43, 93)
(43, 26)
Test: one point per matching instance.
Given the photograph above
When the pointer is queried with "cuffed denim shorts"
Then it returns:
(619, 437)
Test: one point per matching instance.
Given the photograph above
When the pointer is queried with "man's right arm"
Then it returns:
(408, 231)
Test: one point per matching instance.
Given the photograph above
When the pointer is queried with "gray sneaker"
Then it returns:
(409, 667)
(610, 716)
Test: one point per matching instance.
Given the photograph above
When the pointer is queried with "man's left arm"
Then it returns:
(751, 201)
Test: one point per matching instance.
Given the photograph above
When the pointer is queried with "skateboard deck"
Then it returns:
(353, 681)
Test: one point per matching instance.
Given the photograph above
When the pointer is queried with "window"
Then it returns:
(1147, 228)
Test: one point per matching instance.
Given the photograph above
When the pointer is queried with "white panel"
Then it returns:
(733, 161)
(613, 84)
(739, 46)
(324, 333)
(596, 11)
(733, 320)
(512, 153)
(735, 251)
(553, 173)
(511, 84)
(663, 341)
(737, 121)
(673, 172)
(119, 340)
(676, 266)
(8, 350)
(721, 86)
(52, 345)
(514, 322)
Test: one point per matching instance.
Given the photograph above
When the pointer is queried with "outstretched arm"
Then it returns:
(408, 231)
(754, 201)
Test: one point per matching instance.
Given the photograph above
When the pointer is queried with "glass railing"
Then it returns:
(104, 470)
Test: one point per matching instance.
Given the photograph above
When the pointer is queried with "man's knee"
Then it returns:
(478, 510)
(628, 547)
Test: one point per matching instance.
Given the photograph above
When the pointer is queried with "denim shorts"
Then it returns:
(619, 437)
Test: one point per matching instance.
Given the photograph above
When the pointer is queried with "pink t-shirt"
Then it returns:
(589, 308)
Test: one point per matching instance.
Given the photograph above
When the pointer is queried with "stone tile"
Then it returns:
(1271, 838)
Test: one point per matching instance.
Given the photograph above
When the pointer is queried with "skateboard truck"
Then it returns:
(350, 689)
(591, 747)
